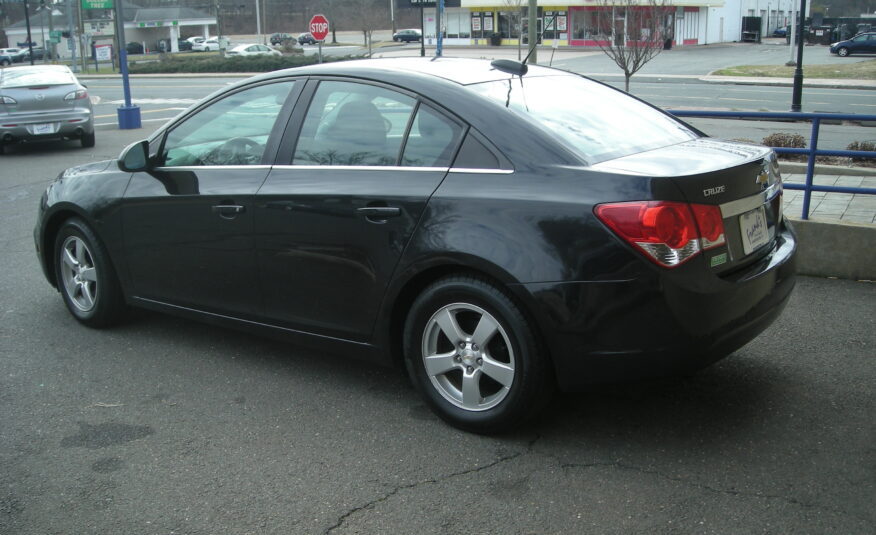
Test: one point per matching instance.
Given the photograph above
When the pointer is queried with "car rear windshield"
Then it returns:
(24, 77)
(596, 121)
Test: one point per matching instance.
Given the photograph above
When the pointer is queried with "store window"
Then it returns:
(555, 23)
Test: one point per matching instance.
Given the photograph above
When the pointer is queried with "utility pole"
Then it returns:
(392, 14)
(439, 44)
(258, 20)
(422, 32)
(533, 31)
(797, 94)
(27, 22)
(71, 41)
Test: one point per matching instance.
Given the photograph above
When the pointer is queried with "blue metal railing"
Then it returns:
(808, 187)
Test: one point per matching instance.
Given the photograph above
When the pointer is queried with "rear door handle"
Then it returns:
(379, 213)
(228, 211)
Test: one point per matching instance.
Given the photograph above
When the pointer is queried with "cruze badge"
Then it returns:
(713, 191)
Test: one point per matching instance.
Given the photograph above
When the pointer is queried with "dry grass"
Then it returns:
(861, 70)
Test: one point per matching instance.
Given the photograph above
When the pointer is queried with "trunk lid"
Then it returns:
(40, 98)
(743, 180)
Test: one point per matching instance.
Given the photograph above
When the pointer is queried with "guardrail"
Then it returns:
(808, 187)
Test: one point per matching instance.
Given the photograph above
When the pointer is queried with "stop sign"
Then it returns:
(319, 27)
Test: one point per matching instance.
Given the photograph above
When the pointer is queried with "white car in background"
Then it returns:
(249, 49)
(207, 45)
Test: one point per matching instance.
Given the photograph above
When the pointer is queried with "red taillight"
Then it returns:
(710, 223)
(669, 233)
(76, 95)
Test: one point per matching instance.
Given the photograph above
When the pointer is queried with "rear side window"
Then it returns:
(432, 140)
(596, 121)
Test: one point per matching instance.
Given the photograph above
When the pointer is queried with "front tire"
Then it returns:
(842, 52)
(86, 278)
(474, 356)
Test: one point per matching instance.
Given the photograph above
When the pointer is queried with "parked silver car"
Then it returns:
(43, 102)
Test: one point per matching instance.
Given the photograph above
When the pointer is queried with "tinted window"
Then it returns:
(353, 124)
(474, 155)
(432, 140)
(232, 131)
(594, 120)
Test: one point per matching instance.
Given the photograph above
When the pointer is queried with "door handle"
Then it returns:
(379, 214)
(228, 211)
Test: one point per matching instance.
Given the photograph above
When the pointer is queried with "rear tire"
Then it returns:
(86, 277)
(842, 52)
(87, 140)
(474, 357)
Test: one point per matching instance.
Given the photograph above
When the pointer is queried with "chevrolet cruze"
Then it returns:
(498, 229)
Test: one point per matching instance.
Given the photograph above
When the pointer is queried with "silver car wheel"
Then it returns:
(468, 356)
(78, 273)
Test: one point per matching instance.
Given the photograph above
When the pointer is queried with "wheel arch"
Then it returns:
(52, 226)
(400, 299)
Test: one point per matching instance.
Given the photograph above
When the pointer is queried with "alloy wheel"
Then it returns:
(78, 273)
(468, 356)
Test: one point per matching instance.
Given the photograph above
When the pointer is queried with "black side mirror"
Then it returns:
(135, 158)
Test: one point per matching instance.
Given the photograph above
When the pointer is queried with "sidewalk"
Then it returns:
(832, 207)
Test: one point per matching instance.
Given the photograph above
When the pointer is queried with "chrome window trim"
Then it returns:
(361, 168)
(740, 206)
(212, 167)
(481, 171)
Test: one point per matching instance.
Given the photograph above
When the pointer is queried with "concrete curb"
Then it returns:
(828, 83)
(841, 250)
(821, 169)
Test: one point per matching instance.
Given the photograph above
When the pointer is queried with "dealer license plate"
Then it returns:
(754, 229)
(47, 128)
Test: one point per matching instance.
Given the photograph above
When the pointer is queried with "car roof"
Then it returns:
(463, 71)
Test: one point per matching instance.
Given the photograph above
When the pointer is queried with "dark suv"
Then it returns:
(281, 38)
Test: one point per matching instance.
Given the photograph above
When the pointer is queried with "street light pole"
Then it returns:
(29, 38)
(258, 21)
(128, 115)
(797, 94)
(422, 32)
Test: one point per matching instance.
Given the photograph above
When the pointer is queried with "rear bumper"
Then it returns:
(72, 124)
(665, 323)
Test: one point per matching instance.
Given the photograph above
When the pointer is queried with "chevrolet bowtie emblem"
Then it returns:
(764, 177)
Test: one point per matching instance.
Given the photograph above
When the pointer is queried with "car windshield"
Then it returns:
(23, 77)
(594, 120)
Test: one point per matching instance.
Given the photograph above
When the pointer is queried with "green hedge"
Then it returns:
(221, 64)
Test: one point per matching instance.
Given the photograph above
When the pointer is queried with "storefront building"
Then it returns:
(576, 23)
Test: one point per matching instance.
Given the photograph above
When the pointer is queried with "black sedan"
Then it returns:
(407, 36)
(498, 229)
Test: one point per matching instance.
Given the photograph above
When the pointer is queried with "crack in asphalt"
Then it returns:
(739, 493)
(396, 490)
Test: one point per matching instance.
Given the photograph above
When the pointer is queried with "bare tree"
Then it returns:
(514, 8)
(632, 32)
(370, 15)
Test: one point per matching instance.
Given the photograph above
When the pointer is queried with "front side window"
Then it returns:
(595, 121)
(231, 131)
(353, 124)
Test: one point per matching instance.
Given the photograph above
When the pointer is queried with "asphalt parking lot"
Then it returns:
(167, 426)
